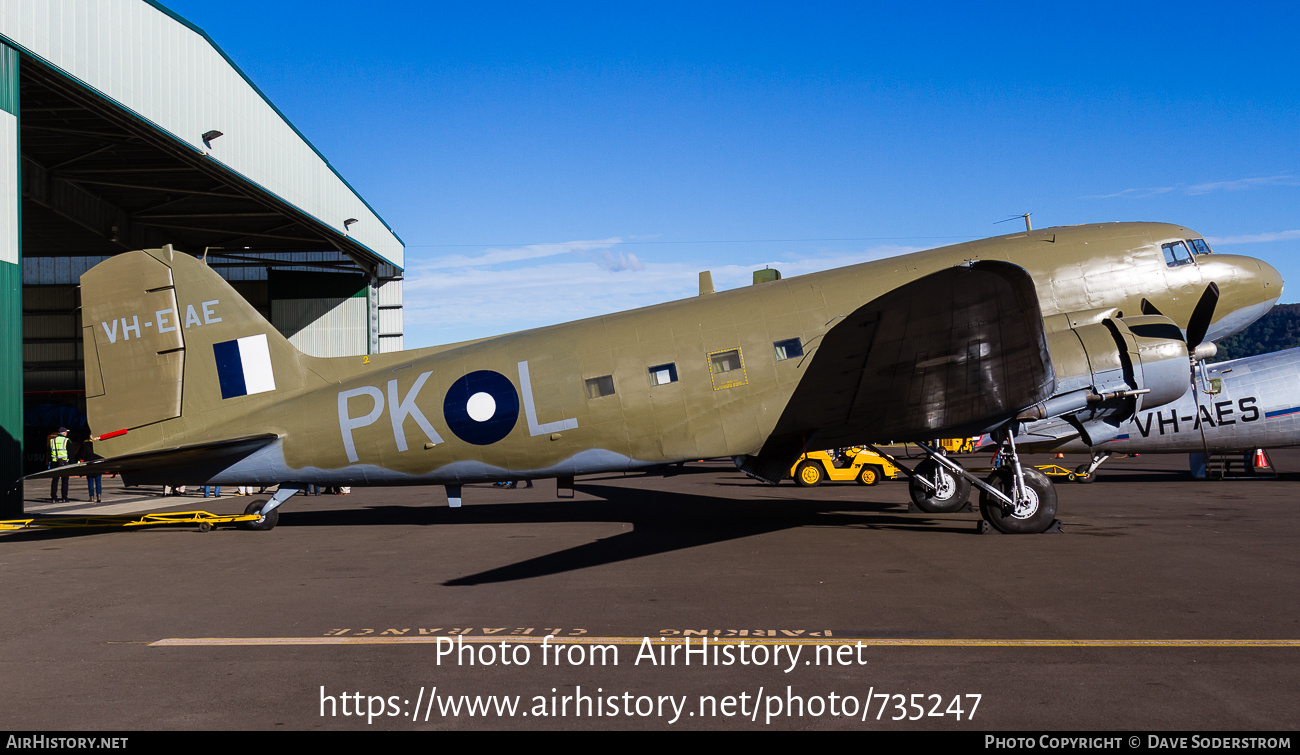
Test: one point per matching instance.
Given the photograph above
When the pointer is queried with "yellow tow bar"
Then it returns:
(203, 519)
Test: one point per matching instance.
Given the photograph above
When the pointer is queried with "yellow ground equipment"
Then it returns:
(1073, 475)
(203, 519)
(959, 445)
(858, 464)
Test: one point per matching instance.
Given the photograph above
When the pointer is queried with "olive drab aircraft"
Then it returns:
(186, 383)
(1233, 407)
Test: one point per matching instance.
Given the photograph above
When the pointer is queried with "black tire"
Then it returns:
(265, 523)
(871, 474)
(952, 495)
(1082, 476)
(1039, 512)
(809, 474)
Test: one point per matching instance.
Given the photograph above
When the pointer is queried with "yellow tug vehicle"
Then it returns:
(844, 464)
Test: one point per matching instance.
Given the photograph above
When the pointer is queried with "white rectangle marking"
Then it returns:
(255, 356)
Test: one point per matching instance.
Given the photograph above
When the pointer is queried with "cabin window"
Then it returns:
(1199, 246)
(600, 386)
(663, 374)
(788, 349)
(1176, 254)
(727, 369)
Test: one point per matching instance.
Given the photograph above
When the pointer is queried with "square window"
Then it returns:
(600, 386)
(727, 369)
(1176, 254)
(663, 374)
(788, 349)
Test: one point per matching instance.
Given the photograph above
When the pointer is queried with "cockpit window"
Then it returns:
(1199, 246)
(1176, 254)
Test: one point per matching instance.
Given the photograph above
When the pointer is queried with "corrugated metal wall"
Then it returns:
(390, 315)
(50, 285)
(169, 74)
(323, 327)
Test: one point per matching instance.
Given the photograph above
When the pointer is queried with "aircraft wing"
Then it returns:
(170, 465)
(954, 353)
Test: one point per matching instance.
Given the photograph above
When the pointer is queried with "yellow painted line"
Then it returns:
(869, 641)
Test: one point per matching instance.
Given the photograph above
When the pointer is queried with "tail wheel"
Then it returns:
(1033, 513)
(809, 474)
(870, 474)
(950, 494)
(265, 523)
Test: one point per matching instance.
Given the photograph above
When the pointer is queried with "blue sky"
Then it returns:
(545, 162)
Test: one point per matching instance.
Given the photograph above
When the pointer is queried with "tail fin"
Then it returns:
(173, 353)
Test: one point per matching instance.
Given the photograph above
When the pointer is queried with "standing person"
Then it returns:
(216, 490)
(58, 458)
(95, 483)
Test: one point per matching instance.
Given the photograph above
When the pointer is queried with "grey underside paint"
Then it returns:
(267, 467)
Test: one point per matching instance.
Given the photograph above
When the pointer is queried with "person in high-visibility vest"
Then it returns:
(58, 458)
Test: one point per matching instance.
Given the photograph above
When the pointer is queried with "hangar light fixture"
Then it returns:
(208, 136)
(347, 223)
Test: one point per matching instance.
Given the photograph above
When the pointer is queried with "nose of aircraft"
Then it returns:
(1248, 287)
(1272, 279)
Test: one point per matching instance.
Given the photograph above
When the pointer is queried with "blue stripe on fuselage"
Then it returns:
(1281, 412)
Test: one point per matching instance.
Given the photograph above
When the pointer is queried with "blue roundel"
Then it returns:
(481, 408)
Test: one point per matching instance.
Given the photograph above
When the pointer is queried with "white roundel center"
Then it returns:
(481, 406)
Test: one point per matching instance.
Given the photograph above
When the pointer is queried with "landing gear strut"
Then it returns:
(1035, 505)
(1086, 471)
(268, 509)
(1013, 499)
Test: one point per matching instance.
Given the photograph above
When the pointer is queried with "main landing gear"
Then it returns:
(1014, 499)
(936, 490)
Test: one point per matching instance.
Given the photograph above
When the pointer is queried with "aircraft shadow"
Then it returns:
(666, 522)
(662, 522)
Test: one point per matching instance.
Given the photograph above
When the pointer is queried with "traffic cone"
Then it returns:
(1261, 461)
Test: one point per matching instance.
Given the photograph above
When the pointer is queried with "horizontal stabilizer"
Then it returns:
(168, 466)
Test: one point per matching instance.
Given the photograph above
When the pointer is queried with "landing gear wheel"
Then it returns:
(1082, 474)
(1033, 514)
(265, 523)
(809, 474)
(870, 474)
(952, 492)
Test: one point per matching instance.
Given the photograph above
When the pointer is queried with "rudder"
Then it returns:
(169, 343)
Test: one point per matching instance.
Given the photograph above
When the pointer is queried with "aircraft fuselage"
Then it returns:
(696, 378)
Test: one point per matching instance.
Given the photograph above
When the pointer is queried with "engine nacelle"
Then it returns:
(1107, 371)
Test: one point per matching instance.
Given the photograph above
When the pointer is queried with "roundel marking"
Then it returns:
(482, 407)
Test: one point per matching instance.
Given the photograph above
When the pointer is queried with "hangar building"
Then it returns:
(123, 126)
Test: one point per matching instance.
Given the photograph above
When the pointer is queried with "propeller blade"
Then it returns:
(1202, 316)
(1148, 308)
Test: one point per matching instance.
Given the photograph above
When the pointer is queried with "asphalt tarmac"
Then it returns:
(1166, 604)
